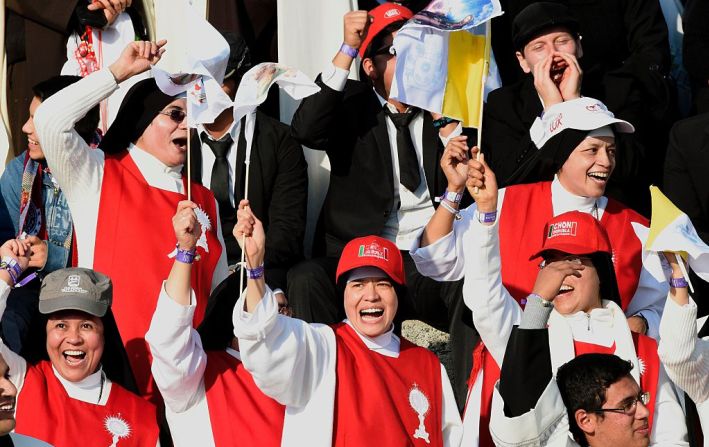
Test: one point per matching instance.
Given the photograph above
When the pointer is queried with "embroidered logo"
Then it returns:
(373, 250)
(641, 366)
(556, 123)
(73, 285)
(597, 107)
(419, 402)
(392, 13)
(117, 427)
(565, 228)
(206, 225)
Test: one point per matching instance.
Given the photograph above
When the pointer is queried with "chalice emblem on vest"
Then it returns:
(117, 427)
(419, 402)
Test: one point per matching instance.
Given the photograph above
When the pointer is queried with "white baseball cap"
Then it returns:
(579, 114)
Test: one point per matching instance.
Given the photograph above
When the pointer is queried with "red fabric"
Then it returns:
(134, 235)
(372, 394)
(239, 412)
(526, 210)
(45, 411)
(581, 348)
(491, 374)
(646, 349)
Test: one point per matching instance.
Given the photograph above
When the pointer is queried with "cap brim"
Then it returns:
(72, 303)
(572, 249)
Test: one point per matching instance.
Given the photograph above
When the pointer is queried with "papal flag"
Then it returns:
(443, 58)
(672, 231)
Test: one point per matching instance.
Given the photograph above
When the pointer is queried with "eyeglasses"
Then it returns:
(177, 115)
(629, 406)
(388, 50)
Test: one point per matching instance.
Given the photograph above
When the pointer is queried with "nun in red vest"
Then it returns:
(576, 156)
(210, 398)
(122, 196)
(80, 391)
(352, 383)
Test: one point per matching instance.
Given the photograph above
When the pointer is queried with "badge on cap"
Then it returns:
(564, 228)
(373, 250)
(392, 13)
(73, 285)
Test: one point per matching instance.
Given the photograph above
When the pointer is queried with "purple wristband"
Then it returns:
(26, 279)
(487, 217)
(185, 256)
(348, 50)
(255, 273)
(678, 283)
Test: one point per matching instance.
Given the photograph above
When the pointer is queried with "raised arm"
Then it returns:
(178, 358)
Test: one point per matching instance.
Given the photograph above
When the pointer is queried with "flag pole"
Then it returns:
(247, 162)
(483, 81)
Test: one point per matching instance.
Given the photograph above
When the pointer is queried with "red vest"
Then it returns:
(376, 395)
(45, 411)
(239, 412)
(526, 210)
(134, 235)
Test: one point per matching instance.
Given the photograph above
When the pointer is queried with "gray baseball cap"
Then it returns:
(76, 289)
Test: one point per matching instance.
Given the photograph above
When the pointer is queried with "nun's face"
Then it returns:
(28, 129)
(587, 170)
(8, 393)
(166, 137)
(75, 344)
(370, 305)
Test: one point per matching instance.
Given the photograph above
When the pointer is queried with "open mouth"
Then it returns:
(601, 177)
(74, 357)
(7, 406)
(564, 289)
(32, 142)
(371, 314)
(181, 143)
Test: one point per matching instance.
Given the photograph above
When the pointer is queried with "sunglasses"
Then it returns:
(177, 115)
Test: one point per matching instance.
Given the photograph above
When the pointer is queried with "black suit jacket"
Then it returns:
(350, 126)
(278, 191)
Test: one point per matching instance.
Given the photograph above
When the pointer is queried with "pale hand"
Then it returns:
(249, 232)
(111, 8)
(570, 85)
(356, 24)
(38, 252)
(17, 249)
(552, 276)
(186, 226)
(545, 85)
(454, 163)
(136, 58)
(637, 325)
(481, 182)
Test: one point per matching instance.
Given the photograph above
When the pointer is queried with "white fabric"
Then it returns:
(89, 389)
(208, 157)
(495, 312)
(450, 258)
(79, 169)
(277, 349)
(685, 356)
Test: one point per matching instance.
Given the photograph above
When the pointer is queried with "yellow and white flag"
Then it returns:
(672, 231)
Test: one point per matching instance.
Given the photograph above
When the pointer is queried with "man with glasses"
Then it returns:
(122, 196)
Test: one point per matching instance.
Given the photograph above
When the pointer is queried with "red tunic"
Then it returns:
(239, 412)
(375, 395)
(134, 235)
(46, 412)
(526, 210)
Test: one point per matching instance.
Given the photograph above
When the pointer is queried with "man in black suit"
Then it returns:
(384, 177)
(278, 180)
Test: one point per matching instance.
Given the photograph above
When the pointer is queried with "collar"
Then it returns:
(89, 383)
(234, 353)
(149, 164)
(233, 131)
(564, 201)
(592, 327)
(383, 101)
(386, 344)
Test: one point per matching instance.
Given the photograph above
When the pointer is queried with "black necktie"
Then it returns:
(219, 183)
(409, 174)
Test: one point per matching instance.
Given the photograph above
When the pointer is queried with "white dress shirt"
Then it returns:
(208, 157)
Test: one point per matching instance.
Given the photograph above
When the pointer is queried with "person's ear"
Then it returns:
(586, 421)
(579, 48)
(524, 65)
(369, 69)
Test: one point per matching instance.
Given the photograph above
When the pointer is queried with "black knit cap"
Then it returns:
(239, 55)
(140, 105)
(539, 17)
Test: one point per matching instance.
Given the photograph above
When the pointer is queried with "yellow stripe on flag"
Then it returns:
(466, 61)
(664, 212)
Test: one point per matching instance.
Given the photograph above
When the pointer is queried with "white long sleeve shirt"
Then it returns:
(495, 312)
(451, 257)
(686, 356)
(277, 349)
(79, 169)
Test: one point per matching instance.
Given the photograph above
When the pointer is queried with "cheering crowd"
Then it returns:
(129, 318)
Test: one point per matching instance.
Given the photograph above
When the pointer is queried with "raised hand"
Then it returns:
(481, 182)
(547, 89)
(552, 276)
(136, 58)
(111, 8)
(356, 24)
(37, 252)
(454, 163)
(249, 232)
(17, 249)
(186, 226)
(570, 77)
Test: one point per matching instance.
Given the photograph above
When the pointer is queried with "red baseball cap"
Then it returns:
(575, 233)
(382, 16)
(372, 251)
